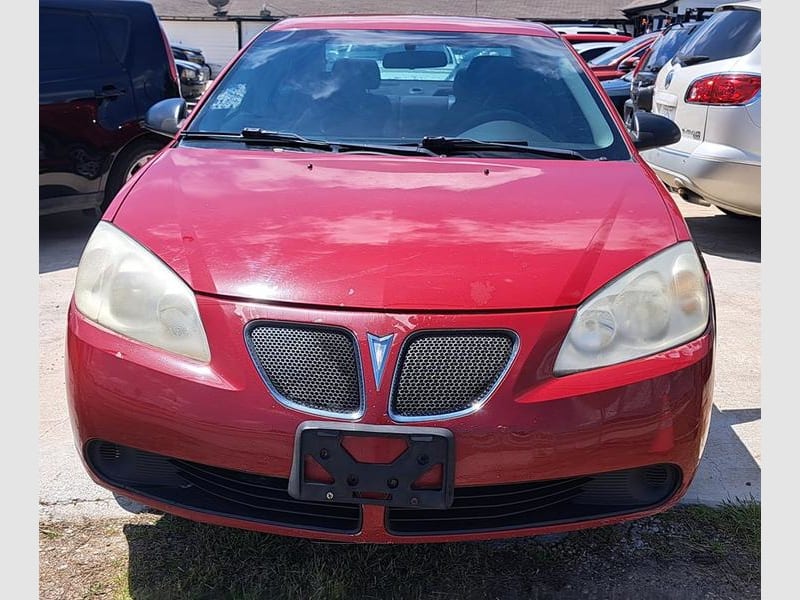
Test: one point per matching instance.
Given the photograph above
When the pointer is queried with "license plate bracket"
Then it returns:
(387, 484)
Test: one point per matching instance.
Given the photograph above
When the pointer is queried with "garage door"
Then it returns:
(217, 39)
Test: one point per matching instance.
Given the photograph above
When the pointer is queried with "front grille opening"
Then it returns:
(536, 504)
(309, 367)
(442, 374)
(216, 491)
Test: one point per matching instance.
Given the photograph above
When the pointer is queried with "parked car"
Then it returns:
(340, 306)
(591, 45)
(194, 55)
(102, 64)
(712, 90)
(587, 29)
(619, 91)
(659, 54)
(193, 79)
(614, 63)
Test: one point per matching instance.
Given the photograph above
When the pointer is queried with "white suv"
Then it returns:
(712, 90)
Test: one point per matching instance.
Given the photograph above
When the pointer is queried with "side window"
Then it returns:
(117, 29)
(588, 55)
(67, 39)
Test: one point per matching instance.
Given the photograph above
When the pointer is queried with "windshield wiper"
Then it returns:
(258, 136)
(447, 145)
(686, 61)
(265, 136)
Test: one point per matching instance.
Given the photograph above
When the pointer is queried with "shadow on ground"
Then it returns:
(729, 237)
(685, 553)
(682, 553)
(62, 238)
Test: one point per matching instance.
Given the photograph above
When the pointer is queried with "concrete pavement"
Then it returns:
(731, 464)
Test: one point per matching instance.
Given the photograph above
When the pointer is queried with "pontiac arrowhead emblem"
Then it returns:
(379, 351)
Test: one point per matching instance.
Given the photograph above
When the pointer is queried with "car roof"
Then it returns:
(96, 5)
(183, 47)
(751, 4)
(417, 23)
(595, 37)
(591, 45)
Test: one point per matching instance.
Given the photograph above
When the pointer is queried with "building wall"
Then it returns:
(219, 40)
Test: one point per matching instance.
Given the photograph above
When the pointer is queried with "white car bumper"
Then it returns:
(721, 175)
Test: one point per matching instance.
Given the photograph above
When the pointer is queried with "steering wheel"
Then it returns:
(504, 124)
(500, 114)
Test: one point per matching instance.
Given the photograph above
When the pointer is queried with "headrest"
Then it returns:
(358, 73)
(482, 72)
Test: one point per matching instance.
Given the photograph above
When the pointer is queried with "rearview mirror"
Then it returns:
(165, 117)
(651, 131)
(415, 59)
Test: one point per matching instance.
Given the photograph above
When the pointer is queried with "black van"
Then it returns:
(102, 64)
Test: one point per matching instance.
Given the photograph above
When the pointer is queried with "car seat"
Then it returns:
(351, 109)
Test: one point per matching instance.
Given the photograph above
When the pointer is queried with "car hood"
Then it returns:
(395, 233)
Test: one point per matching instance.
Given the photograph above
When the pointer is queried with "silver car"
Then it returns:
(712, 90)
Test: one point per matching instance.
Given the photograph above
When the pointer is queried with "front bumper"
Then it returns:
(221, 423)
(717, 173)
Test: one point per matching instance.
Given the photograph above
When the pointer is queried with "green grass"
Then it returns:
(174, 558)
(50, 532)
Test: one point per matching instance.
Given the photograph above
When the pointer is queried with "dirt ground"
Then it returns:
(690, 552)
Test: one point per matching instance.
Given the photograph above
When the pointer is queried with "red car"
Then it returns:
(591, 45)
(361, 298)
(615, 62)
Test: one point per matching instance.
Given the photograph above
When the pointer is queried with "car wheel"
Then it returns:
(128, 164)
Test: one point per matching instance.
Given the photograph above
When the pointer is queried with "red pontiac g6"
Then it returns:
(395, 279)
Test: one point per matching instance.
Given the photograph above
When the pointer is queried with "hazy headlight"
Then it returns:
(124, 287)
(659, 304)
(188, 75)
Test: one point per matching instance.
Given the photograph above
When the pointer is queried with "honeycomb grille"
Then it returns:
(444, 374)
(310, 367)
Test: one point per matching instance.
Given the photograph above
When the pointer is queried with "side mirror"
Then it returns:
(165, 117)
(628, 64)
(651, 131)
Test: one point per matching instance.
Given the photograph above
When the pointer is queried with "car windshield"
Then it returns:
(397, 87)
(665, 47)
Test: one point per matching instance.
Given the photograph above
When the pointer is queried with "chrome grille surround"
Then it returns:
(311, 368)
(414, 394)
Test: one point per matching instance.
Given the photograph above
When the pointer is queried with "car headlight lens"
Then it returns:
(659, 304)
(125, 288)
(188, 75)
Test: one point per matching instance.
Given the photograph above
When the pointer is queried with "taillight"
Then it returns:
(727, 88)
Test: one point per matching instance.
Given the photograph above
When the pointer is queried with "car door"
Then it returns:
(85, 109)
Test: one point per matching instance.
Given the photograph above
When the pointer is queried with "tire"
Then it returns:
(128, 164)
